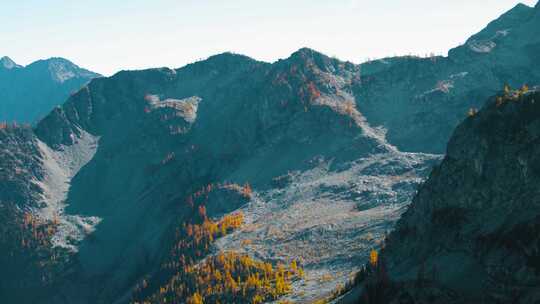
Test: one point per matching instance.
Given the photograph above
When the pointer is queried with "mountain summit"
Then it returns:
(7, 63)
(61, 70)
(419, 101)
(29, 93)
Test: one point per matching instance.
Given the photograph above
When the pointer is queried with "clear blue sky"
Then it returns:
(109, 35)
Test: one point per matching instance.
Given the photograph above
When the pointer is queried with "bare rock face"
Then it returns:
(473, 226)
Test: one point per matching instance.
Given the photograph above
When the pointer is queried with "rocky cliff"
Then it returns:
(471, 232)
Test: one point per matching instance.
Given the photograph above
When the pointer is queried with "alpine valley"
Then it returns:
(231, 180)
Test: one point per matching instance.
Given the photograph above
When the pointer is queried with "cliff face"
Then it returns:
(473, 226)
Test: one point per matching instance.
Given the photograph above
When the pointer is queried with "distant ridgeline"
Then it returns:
(29, 93)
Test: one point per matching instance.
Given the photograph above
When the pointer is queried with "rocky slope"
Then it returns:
(471, 233)
(29, 93)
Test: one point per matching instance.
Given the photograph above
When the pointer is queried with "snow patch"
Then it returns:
(60, 166)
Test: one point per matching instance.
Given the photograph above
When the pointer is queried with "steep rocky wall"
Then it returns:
(474, 223)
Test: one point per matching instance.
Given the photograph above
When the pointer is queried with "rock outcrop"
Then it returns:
(471, 232)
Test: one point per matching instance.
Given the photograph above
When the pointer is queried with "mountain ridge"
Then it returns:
(313, 143)
(30, 92)
(128, 124)
(8, 63)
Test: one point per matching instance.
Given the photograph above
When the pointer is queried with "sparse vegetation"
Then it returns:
(14, 125)
(227, 277)
(472, 112)
(26, 243)
(192, 274)
(511, 95)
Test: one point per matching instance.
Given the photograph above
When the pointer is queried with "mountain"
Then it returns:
(140, 185)
(471, 233)
(421, 100)
(7, 63)
(116, 168)
(29, 93)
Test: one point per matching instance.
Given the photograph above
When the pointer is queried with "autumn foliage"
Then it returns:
(373, 258)
(314, 93)
(227, 277)
(192, 273)
(511, 95)
(26, 241)
(14, 125)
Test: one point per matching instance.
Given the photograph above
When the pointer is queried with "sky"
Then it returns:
(107, 36)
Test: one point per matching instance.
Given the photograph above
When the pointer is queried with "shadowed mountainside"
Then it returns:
(471, 232)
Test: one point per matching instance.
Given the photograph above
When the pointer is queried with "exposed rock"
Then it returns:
(473, 226)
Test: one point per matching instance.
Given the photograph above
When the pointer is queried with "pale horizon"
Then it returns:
(137, 35)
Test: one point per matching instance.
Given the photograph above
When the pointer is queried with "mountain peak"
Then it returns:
(229, 58)
(307, 53)
(227, 55)
(309, 58)
(312, 59)
(62, 69)
(223, 62)
(520, 7)
(495, 33)
(7, 63)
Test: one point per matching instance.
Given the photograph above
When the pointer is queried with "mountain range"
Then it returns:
(29, 93)
(121, 193)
